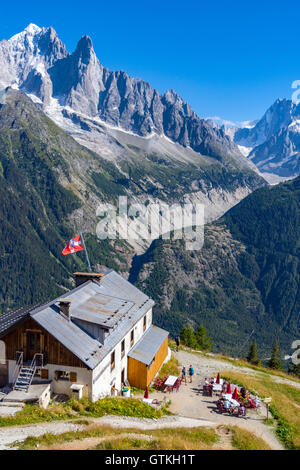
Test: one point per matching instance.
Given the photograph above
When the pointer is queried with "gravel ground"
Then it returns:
(148, 424)
(190, 402)
(190, 407)
(9, 410)
(10, 434)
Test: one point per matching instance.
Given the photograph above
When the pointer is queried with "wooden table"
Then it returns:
(217, 387)
(170, 381)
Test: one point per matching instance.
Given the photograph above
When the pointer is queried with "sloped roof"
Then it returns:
(114, 304)
(146, 348)
(70, 335)
(9, 319)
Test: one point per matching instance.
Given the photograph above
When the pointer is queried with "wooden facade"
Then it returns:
(30, 338)
(139, 374)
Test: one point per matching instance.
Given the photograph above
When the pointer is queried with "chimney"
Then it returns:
(65, 307)
(80, 278)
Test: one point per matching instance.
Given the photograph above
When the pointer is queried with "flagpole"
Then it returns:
(86, 253)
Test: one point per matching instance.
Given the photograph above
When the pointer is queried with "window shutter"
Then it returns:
(44, 374)
(42, 343)
(24, 340)
(73, 377)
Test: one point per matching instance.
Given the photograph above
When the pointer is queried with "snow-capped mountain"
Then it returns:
(157, 148)
(278, 116)
(273, 144)
(37, 62)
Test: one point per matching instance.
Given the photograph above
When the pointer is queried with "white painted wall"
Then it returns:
(97, 383)
(103, 377)
(84, 377)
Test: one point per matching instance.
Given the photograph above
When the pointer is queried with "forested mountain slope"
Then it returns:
(43, 200)
(247, 276)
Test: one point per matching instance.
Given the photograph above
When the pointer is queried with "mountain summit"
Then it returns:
(37, 62)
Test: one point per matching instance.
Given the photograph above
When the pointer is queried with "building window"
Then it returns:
(131, 338)
(73, 377)
(44, 374)
(112, 361)
(62, 375)
(67, 376)
(123, 348)
(145, 322)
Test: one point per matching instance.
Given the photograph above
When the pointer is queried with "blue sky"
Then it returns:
(230, 59)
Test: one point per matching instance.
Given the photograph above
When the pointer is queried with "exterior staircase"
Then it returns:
(24, 378)
(26, 373)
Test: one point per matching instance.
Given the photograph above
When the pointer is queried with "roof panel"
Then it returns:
(9, 319)
(147, 347)
(113, 303)
(70, 335)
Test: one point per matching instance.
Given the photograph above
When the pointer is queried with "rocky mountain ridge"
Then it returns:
(37, 62)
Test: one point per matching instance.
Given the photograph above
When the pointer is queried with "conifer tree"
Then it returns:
(203, 340)
(188, 338)
(294, 369)
(253, 354)
(275, 362)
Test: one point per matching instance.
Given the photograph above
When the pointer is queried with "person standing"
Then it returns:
(183, 374)
(191, 373)
(177, 340)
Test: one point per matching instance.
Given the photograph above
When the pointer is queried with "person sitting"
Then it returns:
(242, 411)
(227, 404)
(257, 402)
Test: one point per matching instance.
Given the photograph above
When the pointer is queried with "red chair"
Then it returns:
(207, 390)
(221, 407)
(177, 385)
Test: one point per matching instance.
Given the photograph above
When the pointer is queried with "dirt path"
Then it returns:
(191, 409)
(189, 401)
(225, 436)
(11, 434)
(150, 424)
(90, 442)
(210, 363)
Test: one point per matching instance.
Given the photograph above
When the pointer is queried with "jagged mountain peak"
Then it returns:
(26, 37)
(40, 65)
(172, 96)
(32, 29)
(84, 46)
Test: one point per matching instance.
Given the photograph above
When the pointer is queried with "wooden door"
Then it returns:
(33, 344)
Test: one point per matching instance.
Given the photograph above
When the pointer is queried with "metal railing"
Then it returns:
(19, 364)
(38, 363)
(34, 365)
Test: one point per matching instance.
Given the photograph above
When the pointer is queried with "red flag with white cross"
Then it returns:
(73, 246)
